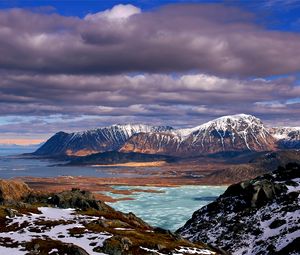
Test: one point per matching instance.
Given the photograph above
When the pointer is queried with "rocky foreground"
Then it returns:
(74, 223)
(258, 216)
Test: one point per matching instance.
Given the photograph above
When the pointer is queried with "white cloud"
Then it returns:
(202, 82)
(118, 12)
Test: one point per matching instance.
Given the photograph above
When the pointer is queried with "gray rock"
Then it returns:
(117, 245)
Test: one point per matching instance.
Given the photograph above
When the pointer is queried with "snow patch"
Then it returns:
(59, 232)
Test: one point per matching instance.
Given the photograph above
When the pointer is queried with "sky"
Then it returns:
(76, 65)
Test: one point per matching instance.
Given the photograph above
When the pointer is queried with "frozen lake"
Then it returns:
(170, 209)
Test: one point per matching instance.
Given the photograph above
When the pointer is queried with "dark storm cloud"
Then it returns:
(206, 38)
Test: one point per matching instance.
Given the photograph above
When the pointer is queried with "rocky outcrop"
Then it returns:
(258, 216)
(75, 198)
(49, 246)
(117, 245)
(11, 190)
(255, 193)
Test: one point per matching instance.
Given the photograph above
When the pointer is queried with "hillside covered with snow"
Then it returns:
(258, 216)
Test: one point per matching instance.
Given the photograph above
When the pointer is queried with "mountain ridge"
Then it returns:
(228, 133)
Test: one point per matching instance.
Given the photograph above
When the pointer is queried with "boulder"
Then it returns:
(117, 245)
(264, 191)
(255, 193)
(75, 250)
(74, 199)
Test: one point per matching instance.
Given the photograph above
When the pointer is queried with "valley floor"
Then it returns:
(168, 175)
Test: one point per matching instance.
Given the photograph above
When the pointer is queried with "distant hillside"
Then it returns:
(271, 160)
(114, 157)
(249, 165)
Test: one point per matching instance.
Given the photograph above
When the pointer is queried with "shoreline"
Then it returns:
(145, 176)
(133, 164)
(100, 186)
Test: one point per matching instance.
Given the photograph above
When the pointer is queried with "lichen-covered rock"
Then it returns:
(74, 199)
(117, 245)
(50, 246)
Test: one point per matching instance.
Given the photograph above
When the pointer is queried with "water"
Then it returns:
(15, 166)
(169, 210)
(16, 150)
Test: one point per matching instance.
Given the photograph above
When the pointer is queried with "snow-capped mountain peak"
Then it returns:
(238, 121)
(95, 140)
(232, 132)
(238, 132)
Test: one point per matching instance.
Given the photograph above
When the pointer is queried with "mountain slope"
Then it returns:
(93, 141)
(154, 143)
(259, 216)
(239, 132)
(287, 137)
(233, 133)
(229, 133)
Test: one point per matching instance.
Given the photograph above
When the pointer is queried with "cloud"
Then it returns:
(124, 90)
(141, 95)
(118, 12)
(179, 65)
(212, 39)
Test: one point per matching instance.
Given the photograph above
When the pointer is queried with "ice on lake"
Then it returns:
(170, 209)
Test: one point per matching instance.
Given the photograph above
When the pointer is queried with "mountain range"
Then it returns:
(239, 133)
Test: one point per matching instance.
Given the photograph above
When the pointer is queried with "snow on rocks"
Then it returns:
(182, 251)
(35, 226)
(259, 216)
(187, 250)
